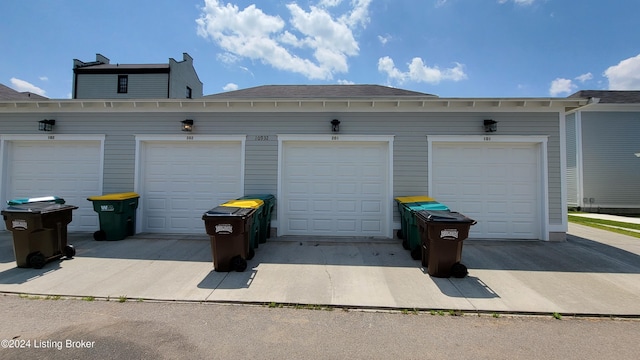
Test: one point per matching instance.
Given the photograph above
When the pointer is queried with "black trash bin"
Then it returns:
(39, 230)
(443, 233)
(229, 229)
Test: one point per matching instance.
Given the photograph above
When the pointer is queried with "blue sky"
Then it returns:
(450, 48)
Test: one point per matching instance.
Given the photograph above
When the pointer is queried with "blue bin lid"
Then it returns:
(46, 199)
(38, 207)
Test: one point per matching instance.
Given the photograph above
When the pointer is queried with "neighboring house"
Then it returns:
(102, 80)
(603, 152)
(7, 93)
(335, 157)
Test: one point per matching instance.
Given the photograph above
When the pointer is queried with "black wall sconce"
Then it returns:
(335, 125)
(46, 124)
(490, 126)
(187, 125)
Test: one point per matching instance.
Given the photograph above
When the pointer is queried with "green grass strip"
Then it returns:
(607, 225)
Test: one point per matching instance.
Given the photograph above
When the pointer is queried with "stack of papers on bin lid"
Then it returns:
(39, 207)
(229, 211)
(444, 216)
(45, 199)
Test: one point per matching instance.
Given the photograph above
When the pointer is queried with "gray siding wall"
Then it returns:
(611, 171)
(105, 86)
(182, 74)
(410, 144)
(572, 161)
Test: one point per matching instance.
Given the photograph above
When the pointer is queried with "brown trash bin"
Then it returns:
(442, 234)
(229, 229)
(39, 232)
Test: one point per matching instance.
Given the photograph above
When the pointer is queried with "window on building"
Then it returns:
(188, 92)
(123, 84)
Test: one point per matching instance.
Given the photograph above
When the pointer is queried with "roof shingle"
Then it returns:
(610, 96)
(316, 91)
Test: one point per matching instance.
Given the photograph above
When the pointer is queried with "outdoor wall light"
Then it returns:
(637, 154)
(335, 125)
(187, 125)
(490, 126)
(46, 124)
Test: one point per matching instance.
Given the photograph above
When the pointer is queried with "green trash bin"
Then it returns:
(409, 233)
(117, 213)
(39, 229)
(265, 223)
(258, 205)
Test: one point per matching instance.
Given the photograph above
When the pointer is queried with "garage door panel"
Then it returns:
(345, 184)
(182, 180)
(501, 189)
(68, 169)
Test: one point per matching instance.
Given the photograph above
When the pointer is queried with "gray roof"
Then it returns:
(316, 91)
(7, 93)
(610, 96)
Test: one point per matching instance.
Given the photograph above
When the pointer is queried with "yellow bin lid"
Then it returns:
(414, 199)
(117, 196)
(245, 203)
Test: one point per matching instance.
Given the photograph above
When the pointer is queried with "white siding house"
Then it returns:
(279, 140)
(603, 153)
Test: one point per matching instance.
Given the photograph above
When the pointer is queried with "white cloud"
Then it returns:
(384, 39)
(43, 78)
(230, 87)
(561, 86)
(22, 86)
(345, 82)
(440, 3)
(625, 75)
(518, 2)
(585, 77)
(419, 72)
(250, 33)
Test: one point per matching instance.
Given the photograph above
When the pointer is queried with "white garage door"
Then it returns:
(335, 188)
(181, 180)
(496, 184)
(67, 169)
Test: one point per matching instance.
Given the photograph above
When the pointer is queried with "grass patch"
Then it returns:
(88, 298)
(607, 225)
(122, 298)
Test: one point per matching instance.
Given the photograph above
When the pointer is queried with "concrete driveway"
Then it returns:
(593, 273)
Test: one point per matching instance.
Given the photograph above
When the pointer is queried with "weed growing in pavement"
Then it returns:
(496, 315)
(557, 316)
(88, 298)
(122, 298)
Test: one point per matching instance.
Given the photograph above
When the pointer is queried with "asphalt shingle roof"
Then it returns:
(315, 91)
(610, 96)
(7, 93)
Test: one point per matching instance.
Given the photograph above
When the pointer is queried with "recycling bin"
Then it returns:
(409, 232)
(117, 215)
(265, 224)
(442, 235)
(258, 205)
(229, 229)
(39, 230)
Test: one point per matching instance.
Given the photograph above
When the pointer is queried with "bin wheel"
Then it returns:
(36, 260)
(238, 263)
(251, 254)
(69, 251)
(100, 235)
(459, 270)
(405, 244)
(400, 234)
(416, 254)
